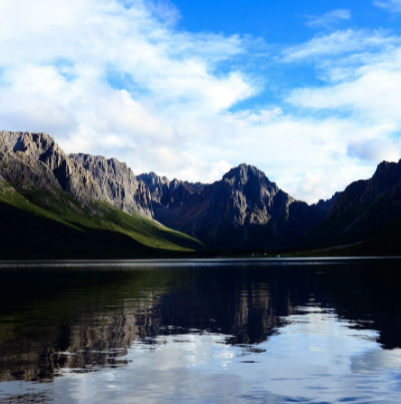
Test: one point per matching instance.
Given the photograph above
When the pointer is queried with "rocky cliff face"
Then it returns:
(118, 183)
(386, 182)
(169, 194)
(34, 160)
(31, 161)
(363, 210)
(244, 209)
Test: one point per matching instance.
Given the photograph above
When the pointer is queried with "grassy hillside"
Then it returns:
(50, 224)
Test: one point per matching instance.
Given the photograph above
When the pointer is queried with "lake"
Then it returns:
(256, 331)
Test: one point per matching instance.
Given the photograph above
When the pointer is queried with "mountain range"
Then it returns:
(57, 205)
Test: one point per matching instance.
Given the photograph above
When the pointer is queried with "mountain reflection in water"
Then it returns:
(230, 322)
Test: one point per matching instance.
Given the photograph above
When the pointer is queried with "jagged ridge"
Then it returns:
(242, 210)
(52, 206)
(118, 183)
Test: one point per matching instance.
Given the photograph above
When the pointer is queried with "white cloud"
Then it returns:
(328, 19)
(392, 5)
(375, 149)
(348, 42)
(368, 84)
(120, 80)
(165, 10)
(56, 75)
(374, 95)
(362, 84)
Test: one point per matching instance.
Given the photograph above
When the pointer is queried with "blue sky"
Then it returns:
(308, 91)
(281, 24)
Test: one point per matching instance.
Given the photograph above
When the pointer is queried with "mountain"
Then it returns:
(52, 206)
(118, 183)
(84, 201)
(246, 210)
(34, 161)
(367, 210)
(243, 210)
(171, 194)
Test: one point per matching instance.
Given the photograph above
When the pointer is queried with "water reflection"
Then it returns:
(238, 332)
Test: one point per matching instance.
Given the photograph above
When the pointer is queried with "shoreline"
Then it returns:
(142, 261)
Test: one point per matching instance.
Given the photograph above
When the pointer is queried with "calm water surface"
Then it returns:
(201, 332)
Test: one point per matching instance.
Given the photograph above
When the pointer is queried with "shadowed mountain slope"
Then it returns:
(44, 224)
(52, 207)
(246, 210)
(365, 210)
(243, 210)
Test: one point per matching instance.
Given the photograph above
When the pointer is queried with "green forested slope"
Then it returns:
(50, 224)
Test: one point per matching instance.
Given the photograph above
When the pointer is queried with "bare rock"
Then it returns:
(35, 160)
(118, 184)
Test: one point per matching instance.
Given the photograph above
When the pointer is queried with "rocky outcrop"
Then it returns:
(385, 183)
(169, 194)
(118, 184)
(31, 161)
(158, 187)
(244, 209)
(365, 209)
(327, 205)
(34, 160)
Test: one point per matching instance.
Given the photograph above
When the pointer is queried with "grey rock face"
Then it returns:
(166, 194)
(385, 182)
(249, 195)
(158, 187)
(378, 199)
(244, 209)
(365, 209)
(34, 160)
(118, 183)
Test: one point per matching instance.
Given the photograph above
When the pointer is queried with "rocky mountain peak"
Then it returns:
(243, 172)
(244, 209)
(118, 183)
(385, 180)
(386, 176)
(167, 194)
(250, 180)
(153, 181)
(37, 161)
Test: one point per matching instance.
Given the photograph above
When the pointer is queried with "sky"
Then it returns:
(308, 91)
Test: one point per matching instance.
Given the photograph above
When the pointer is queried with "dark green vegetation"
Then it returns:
(50, 224)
